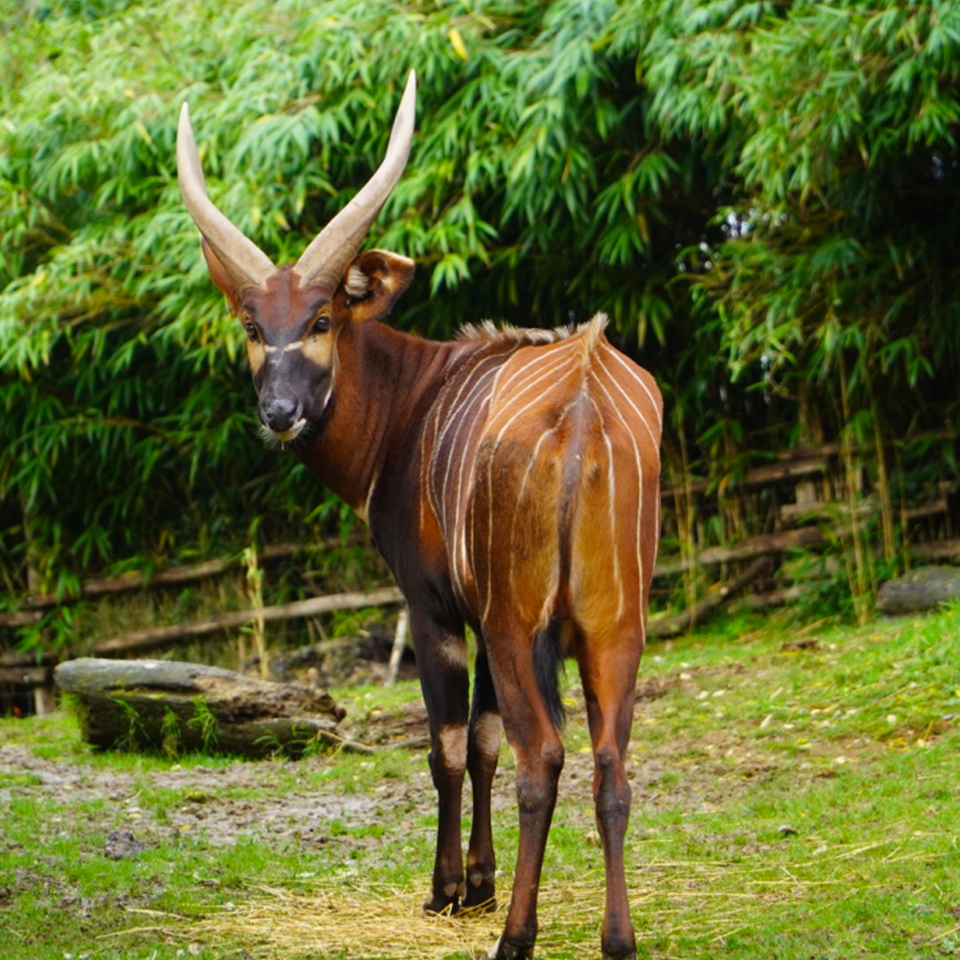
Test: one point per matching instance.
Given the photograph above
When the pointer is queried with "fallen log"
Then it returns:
(919, 590)
(150, 638)
(174, 707)
(31, 610)
(944, 550)
(667, 627)
(794, 465)
(759, 546)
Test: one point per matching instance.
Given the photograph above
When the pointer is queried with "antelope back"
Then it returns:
(538, 451)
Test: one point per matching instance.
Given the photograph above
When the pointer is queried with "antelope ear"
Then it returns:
(221, 278)
(374, 281)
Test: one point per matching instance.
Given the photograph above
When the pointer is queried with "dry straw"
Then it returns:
(706, 900)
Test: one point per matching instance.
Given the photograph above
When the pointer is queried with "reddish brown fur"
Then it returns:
(511, 481)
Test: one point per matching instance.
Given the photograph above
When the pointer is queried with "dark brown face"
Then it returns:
(291, 343)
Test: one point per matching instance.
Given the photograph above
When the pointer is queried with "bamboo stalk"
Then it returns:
(255, 589)
(883, 481)
(858, 583)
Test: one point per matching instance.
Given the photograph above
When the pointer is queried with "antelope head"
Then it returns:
(293, 315)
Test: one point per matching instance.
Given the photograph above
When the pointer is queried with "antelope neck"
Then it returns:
(382, 377)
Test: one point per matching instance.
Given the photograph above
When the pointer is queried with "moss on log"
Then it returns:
(174, 707)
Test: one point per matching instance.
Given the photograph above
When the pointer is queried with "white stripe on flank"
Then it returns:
(515, 415)
(455, 413)
(612, 511)
(537, 363)
(460, 415)
(629, 399)
(459, 532)
(633, 372)
(523, 486)
(639, 462)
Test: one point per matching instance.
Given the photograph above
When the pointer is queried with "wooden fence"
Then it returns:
(794, 504)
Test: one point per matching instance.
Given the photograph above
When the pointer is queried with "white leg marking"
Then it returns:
(454, 652)
(486, 734)
(453, 747)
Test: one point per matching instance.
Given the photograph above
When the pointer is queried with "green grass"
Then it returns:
(796, 796)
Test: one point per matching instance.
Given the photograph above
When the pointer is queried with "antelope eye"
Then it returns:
(322, 324)
(251, 331)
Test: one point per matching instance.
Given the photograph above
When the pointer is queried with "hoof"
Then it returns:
(511, 949)
(444, 902)
(619, 949)
(481, 894)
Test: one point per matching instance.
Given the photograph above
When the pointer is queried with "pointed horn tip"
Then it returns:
(410, 90)
(184, 127)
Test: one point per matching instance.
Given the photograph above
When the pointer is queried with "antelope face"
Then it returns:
(291, 339)
(293, 329)
(293, 315)
(291, 346)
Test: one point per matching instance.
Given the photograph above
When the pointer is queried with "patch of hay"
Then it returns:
(352, 923)
(360, 923)
(703, 901)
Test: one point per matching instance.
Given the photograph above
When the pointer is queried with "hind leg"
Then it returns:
(539, 759)
(609, 672)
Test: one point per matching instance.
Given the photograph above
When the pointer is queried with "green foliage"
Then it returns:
(204, 719)
(135, 734)
(762, 196)
(172, 735)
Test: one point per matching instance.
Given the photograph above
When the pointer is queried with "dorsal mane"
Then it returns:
(489, 332)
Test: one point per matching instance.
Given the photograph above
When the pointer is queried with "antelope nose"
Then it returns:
(280, 414)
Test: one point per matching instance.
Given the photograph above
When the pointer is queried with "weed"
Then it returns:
(204, 719)
(172, 735)
(135, 733)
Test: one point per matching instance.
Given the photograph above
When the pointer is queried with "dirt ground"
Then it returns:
(299, 815)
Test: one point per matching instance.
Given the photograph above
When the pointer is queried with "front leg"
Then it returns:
(442, 664)
(483, 751)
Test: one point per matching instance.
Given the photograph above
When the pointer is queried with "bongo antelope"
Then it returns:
(511, 480)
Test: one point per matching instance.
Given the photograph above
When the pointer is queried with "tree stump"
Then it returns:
(174, 707)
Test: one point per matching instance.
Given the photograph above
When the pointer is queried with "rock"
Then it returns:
(121, 844)
(922, 589)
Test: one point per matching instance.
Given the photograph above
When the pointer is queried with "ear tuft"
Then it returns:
(356, 283)
(373, 282)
